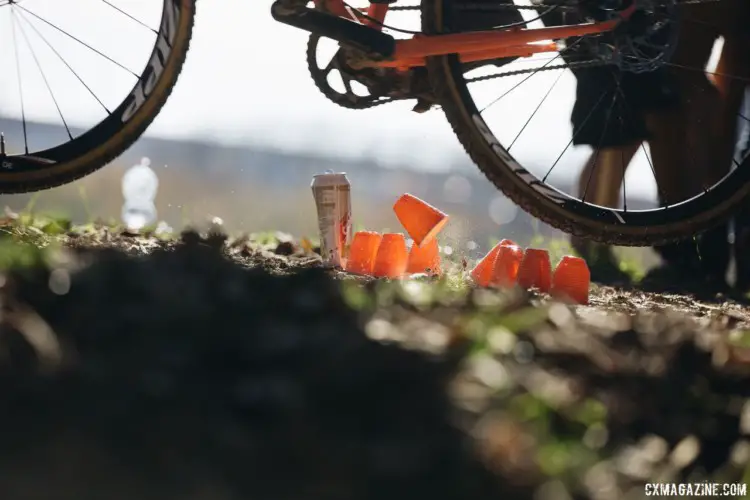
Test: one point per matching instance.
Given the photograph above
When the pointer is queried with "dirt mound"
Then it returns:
(180, 370)
(205, 369)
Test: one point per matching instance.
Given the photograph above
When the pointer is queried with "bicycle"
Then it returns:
(431, 67)
(636, 36)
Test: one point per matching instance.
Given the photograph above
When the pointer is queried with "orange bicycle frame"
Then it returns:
(472, 46)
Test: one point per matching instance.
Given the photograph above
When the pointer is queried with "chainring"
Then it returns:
(348, 98)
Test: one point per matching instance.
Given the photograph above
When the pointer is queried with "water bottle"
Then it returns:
(139, 186)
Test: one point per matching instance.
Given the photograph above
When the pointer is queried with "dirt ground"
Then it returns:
(219, 368)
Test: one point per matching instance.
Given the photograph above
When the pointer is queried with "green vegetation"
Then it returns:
(42, 228)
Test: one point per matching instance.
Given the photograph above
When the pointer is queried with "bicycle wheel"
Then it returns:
(85, 88)
(529, 183)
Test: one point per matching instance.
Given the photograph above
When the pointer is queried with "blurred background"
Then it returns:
(246, 129)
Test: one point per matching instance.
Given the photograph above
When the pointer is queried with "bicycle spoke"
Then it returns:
(651, 166)
(549, 91)
(575, 134)
(514, 87)
(62, 59)
(20, 85)
(534, 72)
(130, 17)
(623, 163)
(41, 71)
(643, 147)
(45, 21)
(599, 148)
(54, 101)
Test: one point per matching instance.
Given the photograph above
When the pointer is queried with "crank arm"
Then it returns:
(336, 28)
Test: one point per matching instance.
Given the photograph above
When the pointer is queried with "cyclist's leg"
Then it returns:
(600, 182)
(742, 236)
(615, 129)
(743, 124)
(713, 101)
(732, 74)
(653, 94)
(667, 153)
(735, 62)
(602, 175)
(696, 123)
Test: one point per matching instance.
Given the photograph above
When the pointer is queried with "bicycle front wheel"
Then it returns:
(83, 83)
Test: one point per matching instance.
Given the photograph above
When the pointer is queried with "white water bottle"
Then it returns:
(139, 186)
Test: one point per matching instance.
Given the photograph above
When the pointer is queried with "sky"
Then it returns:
(246, 81)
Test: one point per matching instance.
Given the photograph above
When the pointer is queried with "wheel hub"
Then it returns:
(646, 40)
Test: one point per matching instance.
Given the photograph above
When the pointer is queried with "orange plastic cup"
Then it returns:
(506, 266)
(362, 252)
(482, 272)
(425, 258)
(391, 257)
(422, 221)
(535, 270)
(571, 280)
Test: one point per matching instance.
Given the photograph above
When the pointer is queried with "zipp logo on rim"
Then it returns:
(159, 58)
(518, 170)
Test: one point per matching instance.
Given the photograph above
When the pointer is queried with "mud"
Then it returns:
(219, 368)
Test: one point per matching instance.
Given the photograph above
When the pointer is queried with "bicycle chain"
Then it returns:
(498, 6)
(539, 7)
(574, 65)
(333, 96)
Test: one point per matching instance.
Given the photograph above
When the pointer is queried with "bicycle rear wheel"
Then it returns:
(532, 191)
(85, 87)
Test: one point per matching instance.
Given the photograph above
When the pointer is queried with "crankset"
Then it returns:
(366, 87)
